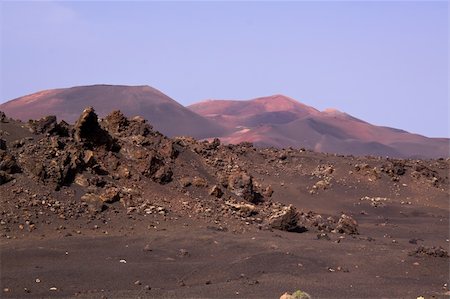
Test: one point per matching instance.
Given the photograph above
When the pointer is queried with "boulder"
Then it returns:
(268, 192)
(150, 164)
(199, 182)
(81, 180)
(2, 117)
(163, 175)
(116, 122)
(430, 251)
(316, 221)
(214, 144)
(185, 181)
(2, 144)
(5, 177)
(95, 204)
(347, 225)
(216, 191)
(296, 295)
(48, 125)
(241, 184)
(244, 209)
(168, 150)
(8, 163)
(286, 218)
(123, 172)
(87, 130)
(139, 127)
(110, 195)
(61, 170)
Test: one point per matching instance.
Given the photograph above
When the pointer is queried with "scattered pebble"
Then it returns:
(183, 253)
(323, 236)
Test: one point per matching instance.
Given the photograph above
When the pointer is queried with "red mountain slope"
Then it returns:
(281, 121)
(165, 114)
(267, 121)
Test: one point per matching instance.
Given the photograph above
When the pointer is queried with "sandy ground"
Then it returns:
(179, 259)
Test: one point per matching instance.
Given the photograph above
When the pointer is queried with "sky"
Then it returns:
(384, 62)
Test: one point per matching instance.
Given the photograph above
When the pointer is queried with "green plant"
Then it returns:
(300, 295)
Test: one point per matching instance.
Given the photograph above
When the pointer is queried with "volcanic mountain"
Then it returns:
(165, 114)
(276, 120)
(281, 121)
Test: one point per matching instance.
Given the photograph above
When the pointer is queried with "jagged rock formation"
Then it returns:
(111, 160)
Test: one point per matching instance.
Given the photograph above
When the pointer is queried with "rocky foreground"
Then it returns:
(110, 207)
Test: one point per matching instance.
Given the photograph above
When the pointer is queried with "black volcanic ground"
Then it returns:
(111, 208)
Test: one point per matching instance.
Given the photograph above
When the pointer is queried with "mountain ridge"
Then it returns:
(330, 130)
(275, 120)
(143, 100)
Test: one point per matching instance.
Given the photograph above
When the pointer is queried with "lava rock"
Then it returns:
(347, 225)
(8, 163)
(244, 209)
(2, 117)
(110, 195)
(430, 251)
(216, 191)
(116, 122)
(286, 219)
(163, 175)
(241, 184)
(2, 144)
(95, 204)
(88, 131)
(5, 177)
(199, 182)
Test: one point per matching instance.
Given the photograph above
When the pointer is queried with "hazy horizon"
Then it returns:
(383, 62)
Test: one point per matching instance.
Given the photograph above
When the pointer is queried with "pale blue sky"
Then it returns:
(384, 62)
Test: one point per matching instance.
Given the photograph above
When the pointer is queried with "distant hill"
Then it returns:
(276, 120)
(165, 114)
(282, 122)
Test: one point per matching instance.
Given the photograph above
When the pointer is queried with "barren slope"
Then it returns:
(282, 122)
(165, 114)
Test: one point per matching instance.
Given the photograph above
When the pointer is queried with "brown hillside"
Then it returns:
(165, 114)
